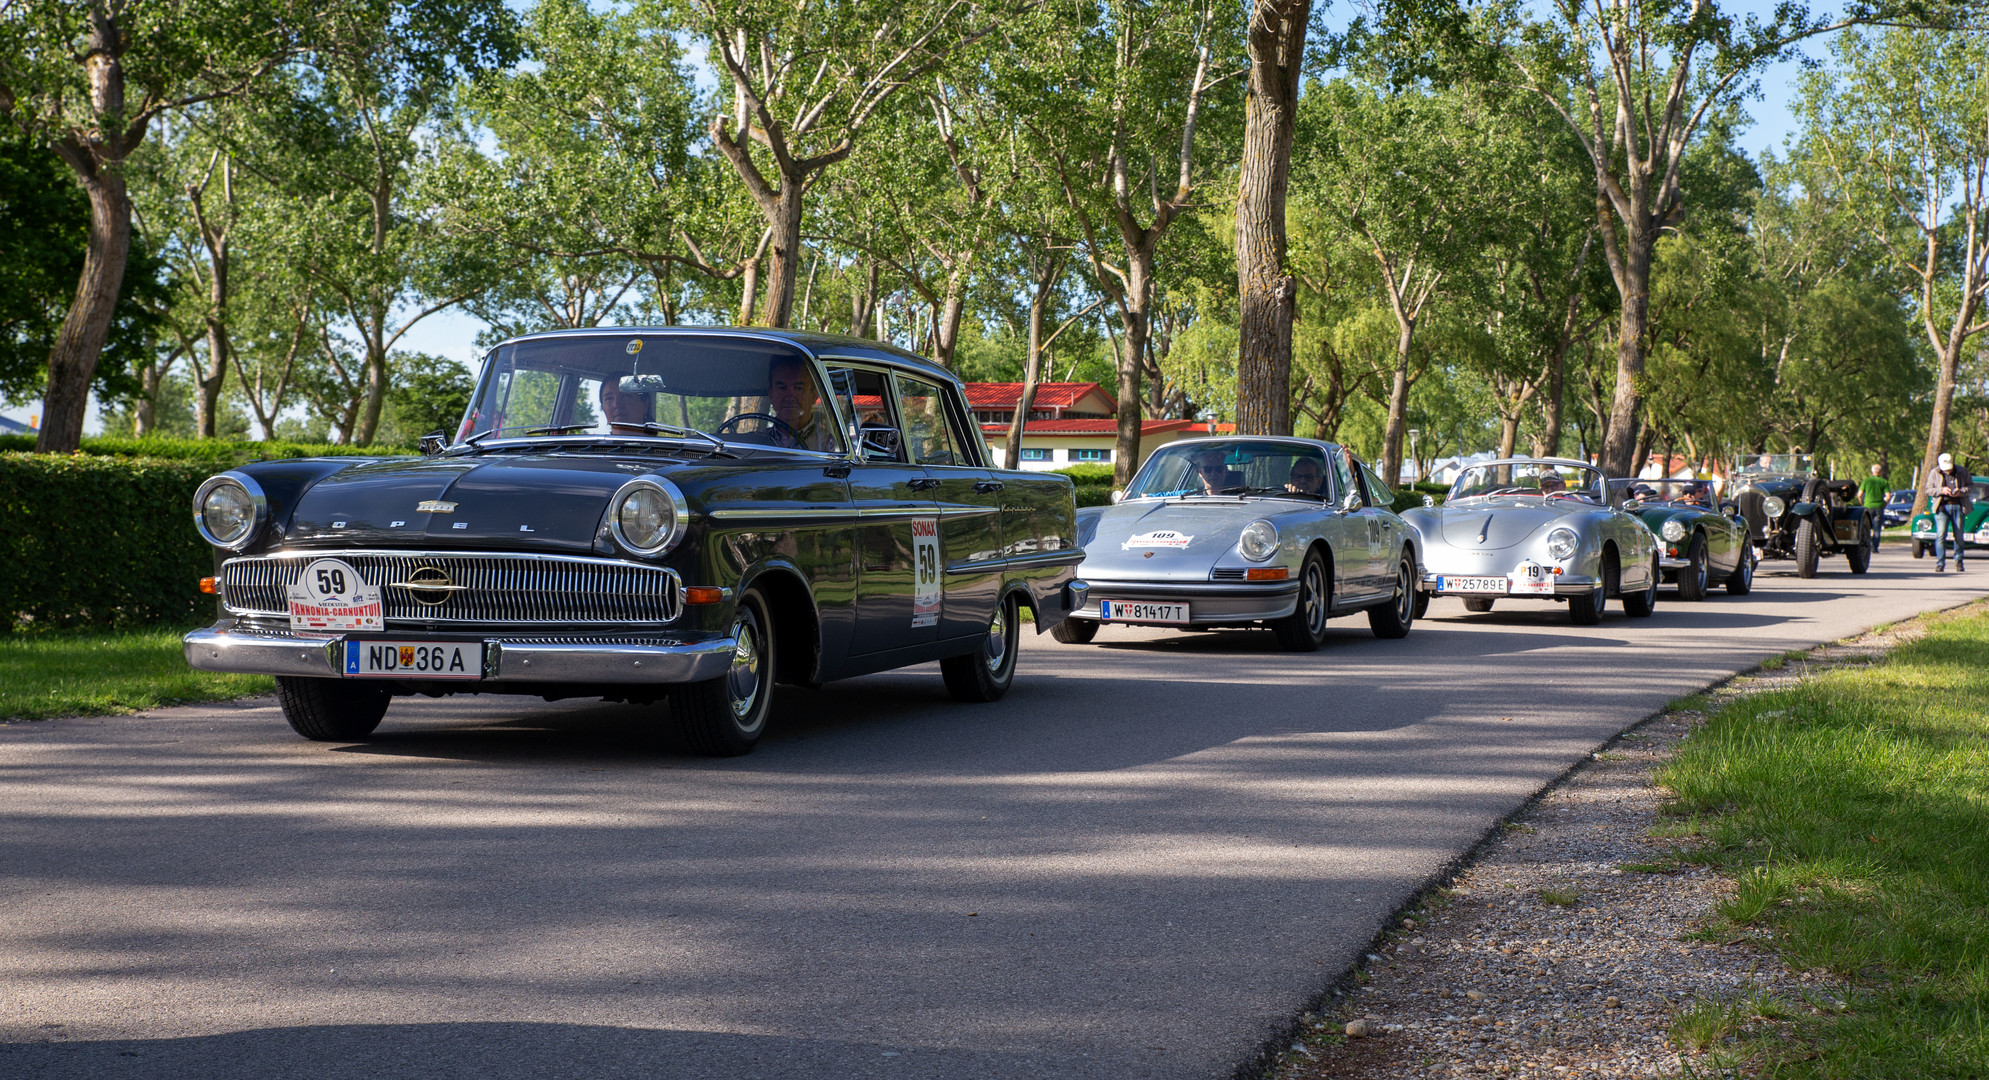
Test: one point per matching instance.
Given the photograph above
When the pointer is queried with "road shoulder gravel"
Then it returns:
(1573, 943)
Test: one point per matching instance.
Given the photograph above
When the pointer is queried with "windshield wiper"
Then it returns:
(654, 428)
(557, 429)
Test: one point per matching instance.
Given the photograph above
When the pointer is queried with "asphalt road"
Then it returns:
(1142, 863)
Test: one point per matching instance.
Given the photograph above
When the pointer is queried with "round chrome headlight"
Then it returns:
(1561, 543)
(1674, 530)
(228, 510)
(1258, 541)
(647, 516)
(1773, 506)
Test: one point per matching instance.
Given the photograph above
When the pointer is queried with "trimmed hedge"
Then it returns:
(1412, 496)
(1093, 482)
(219, 453)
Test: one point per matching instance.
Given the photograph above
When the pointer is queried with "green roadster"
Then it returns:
(1701, 542)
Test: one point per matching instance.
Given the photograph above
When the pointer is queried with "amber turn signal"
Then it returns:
(1266, 573)
(703, 594)
(208, 586)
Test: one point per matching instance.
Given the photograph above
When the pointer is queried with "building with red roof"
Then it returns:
(1069, 424)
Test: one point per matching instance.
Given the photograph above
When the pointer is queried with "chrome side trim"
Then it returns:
(1018, 562)
(968, 511)
(777, 513)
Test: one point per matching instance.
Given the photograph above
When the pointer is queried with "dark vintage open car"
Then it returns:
(1702, 542)
(1792, 513)
(645, 515)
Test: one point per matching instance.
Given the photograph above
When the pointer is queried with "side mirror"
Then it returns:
(1351, 503)
(1631, 506)
(433, 442)
(1428, 501)
(880, 442)
(1118, 496)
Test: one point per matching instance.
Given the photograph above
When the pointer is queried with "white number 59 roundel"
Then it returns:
(330, 595)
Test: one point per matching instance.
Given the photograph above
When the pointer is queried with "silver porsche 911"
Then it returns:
(1536, 529)
(1248, 531)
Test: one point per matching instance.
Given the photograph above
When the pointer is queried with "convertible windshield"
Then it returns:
(1240, 467)
(1684, 492)
(1527, 478)
(1796, 464)
(647, 385)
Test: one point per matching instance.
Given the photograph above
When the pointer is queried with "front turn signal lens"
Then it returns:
(703, 594)
(209, 586)
(1266, 573)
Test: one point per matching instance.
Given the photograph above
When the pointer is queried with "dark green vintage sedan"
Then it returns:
(1701, 542)
(646, 515)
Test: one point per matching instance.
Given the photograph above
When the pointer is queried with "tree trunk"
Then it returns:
(1937, 428)
(784, 256)
(1135, 316)
(946, 333)
(1032, 368)
(72, 363)
(219, 355)
(1398, 408)
(1508, 435)
(1548, 442)
(1267, 296)
(1620, 444)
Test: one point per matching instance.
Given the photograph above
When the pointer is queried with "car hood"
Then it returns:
(546, 502)
(1174, 539)
(1488, 524)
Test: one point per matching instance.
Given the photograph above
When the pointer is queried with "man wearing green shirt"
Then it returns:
(1874, 489)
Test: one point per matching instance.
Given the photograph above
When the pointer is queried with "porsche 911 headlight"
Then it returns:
(228, 509)
(647, 516)
(1561, 543)
(1258, 541)
(1674, 530)
(1773, 507)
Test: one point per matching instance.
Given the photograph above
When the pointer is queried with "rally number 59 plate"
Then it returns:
(413, 659)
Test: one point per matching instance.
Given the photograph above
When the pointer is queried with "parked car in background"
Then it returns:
(1536, 529)
(1282, 533)
(1703, 542)
(644, 515)
(1898, 508)
(1792, 513)
(1974, 523)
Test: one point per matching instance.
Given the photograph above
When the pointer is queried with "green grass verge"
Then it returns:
(1854, 808)
(64, 674)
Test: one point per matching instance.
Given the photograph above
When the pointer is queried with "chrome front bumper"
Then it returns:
(517, 659)
(1207, 603)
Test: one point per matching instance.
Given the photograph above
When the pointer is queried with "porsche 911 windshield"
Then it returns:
(1540, 478)
(1243, 467)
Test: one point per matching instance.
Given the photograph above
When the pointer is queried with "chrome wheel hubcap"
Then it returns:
(743, 678)
(997, 647)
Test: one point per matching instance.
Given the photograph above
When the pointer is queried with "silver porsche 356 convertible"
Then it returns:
(1538, 529)
(1237, 532)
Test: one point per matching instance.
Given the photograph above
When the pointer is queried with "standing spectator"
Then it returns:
(1873, 489)
(1947, 497)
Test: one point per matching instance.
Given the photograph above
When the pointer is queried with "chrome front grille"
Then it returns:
(1749, 501)
(485, 590)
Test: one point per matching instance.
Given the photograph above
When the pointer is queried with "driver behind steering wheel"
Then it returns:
(633, 409)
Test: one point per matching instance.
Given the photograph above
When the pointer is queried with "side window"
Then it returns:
(1343, 477)
(1378, 493)
(866, 395)
(927, 434)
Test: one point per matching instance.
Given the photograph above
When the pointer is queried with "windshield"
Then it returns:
(1797, 464)
(1527, 478)
(1241, 467)
(645, 386)
(1684, 492)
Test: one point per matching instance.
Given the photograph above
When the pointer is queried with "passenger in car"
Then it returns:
(620, 408)
(1307, 477)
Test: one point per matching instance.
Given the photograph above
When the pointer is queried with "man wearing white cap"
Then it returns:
(1947, 496)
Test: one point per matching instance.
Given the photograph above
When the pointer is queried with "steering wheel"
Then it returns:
(1565, 493)
(776, 422)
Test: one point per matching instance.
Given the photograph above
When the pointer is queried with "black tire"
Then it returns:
(1587, 609)
(1422, 603)
(1741, 581)
(331, 710)
(725, 717)
(1478, 604)
(986, 673)
(1075, 631)
(1304, 630)
(1809, 548)
(1641, 605)
(1393, 619)
(1692, 579)
(1919, 549)
(1860, 558)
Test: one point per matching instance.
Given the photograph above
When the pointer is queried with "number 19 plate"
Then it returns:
(413, 659)
(1122, 611)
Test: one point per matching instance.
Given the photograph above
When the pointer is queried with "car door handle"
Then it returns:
(987, 486)
(836, 472)
(923, 483)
